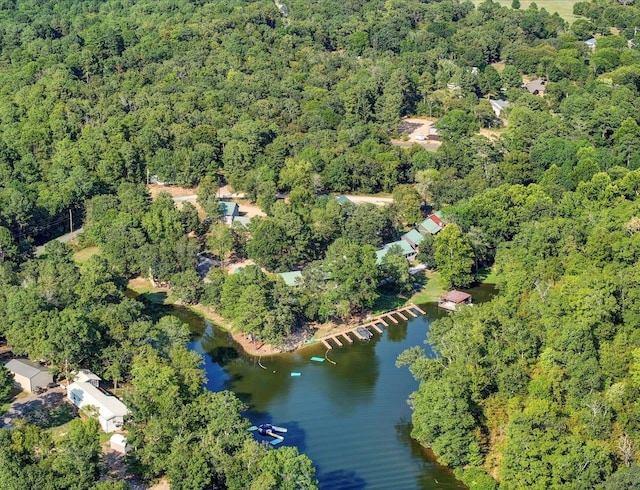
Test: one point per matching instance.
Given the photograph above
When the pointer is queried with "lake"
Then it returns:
(349, 415)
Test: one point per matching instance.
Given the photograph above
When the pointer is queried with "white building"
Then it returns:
(109, 409)
(86, 376)
(118, 443)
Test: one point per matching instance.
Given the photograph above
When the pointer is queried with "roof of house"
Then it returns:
(456, 297)
(228, 208)
(343, 200)
(243, 220)
(437, 220)
(535, 85)
(432, 224)
(108, 405)
(499, 103)
(591, 42)
(86, 375)
(405, 248)
(25, 367)
(292, 278)
(413, 236)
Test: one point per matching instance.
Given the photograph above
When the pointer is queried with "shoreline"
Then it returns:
(302, 338)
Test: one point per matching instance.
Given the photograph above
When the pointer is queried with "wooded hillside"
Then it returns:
(537, 388)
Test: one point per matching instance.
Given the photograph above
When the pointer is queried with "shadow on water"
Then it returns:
(425, 478)
(218, 348)
(397, 333)
(340, 479)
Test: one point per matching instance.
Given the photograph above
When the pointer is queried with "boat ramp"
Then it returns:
(364, 332)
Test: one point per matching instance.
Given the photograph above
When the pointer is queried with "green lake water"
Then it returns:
(350, 417)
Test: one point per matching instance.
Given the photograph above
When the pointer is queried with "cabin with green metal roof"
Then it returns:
(414, 237)
(433, 224)
(343, 200)
(229, 211)
(407, 251)
(292, 278)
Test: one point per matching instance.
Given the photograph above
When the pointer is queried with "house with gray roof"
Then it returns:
(108, 408)
(498, 106)
(537, 86)
(28, 375)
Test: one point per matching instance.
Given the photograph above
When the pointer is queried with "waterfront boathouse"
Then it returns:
(454, 300)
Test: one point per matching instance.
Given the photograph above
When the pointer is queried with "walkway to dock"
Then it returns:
(373, 324)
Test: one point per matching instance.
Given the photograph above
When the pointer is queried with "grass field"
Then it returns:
(81, 256)
(563, 7)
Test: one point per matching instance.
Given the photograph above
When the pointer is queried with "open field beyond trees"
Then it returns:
(563, 7)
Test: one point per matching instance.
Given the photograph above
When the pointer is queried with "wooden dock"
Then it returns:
(419, 310)
(372, 325)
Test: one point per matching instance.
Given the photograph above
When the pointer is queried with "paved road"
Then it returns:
(63, 238)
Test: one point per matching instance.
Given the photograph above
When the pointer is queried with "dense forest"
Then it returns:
(537, 388)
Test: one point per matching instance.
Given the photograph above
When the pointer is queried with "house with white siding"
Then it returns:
(108, 408)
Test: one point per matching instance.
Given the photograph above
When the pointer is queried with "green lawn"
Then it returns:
(81, 256)
(487, 276)
(563, 7)
(431, 290)
(388, 302)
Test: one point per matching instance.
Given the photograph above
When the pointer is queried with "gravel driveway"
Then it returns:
(36, 409)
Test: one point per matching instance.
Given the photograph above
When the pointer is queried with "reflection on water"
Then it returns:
(350, 417)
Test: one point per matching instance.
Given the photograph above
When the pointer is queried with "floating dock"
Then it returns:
(364, 332)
